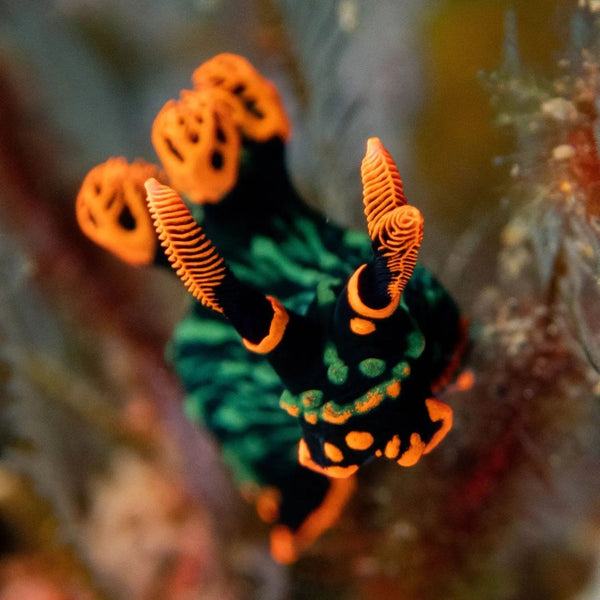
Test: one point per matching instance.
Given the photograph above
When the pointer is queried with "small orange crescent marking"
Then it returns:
(359, 307)
(393, 390)
(362, 326)
(276, 330)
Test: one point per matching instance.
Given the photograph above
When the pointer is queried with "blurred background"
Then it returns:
(106, 491)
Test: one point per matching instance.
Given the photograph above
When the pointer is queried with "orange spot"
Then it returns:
(111, 191)
(287, 545)
(291, 409)
(392, 447)
(465, 381)
(255, 101)
(362, 326)
(197, 141)
(311, 418)
(393, 390)
(438, 411)
(331, 415)
(311, 398)
(268, 503)
(414, 452)
(359, 307)
(189, 251)
(276, 330)
(305, 459)
(359, 440)
(332, 452)
(283, 545)
(378, 453)
(372, 400)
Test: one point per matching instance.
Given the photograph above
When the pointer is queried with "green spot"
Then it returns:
(288, 398)
(207, 331)
(371, 367)
(330, 356)
(415, 344)
(265, 375)
(325, 295)
(432, 296)
(231, 419)
(337, 373)
(245, 450)
(355, 239)
(312, 240)
(311, 398)
(269, 255)
(401, 370)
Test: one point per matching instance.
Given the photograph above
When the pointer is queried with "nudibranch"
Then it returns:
(345, 340)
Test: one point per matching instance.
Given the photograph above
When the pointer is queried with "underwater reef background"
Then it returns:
(490, 111)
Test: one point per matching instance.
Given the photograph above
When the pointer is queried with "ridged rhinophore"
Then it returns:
(190, 252)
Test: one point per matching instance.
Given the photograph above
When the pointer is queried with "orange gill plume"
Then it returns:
(111, 209)
(197, 141)
(190, 252)
(257, 105)
(395, 227)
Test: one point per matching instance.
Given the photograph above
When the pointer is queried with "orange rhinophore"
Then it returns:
(111, 209)
(191, 253)
(382, 185)
(399, 236)
(395, 227)
(197, 141)
(257, 104)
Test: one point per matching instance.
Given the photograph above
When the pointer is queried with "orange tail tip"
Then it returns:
(382, 186)
(190, 252)
(439, 412)
(256, 99)
(111, 209)
(197, 140)
(288, 545)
